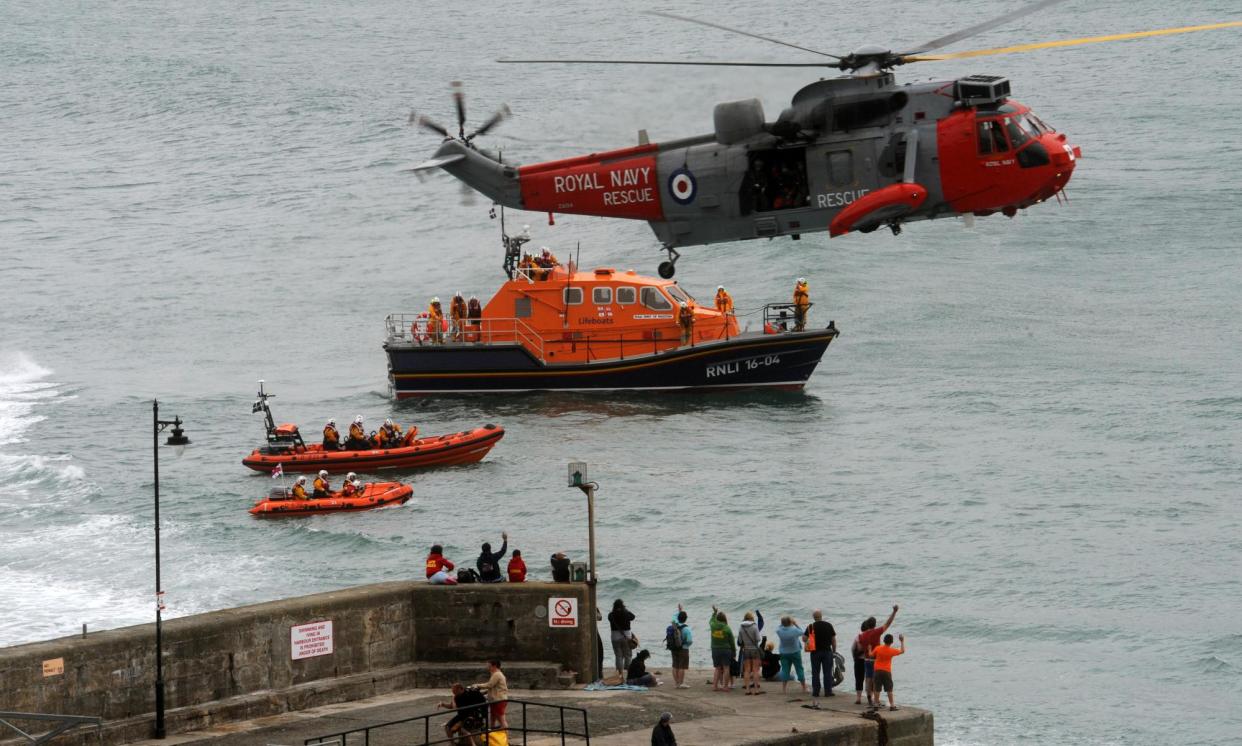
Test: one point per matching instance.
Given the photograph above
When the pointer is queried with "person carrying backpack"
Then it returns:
(677, 639)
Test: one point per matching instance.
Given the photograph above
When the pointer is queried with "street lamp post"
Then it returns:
(178, 440)
(578, 478)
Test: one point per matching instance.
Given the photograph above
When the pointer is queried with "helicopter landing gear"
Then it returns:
(667, 269)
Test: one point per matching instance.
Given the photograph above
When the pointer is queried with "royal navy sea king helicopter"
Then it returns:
(850, 154)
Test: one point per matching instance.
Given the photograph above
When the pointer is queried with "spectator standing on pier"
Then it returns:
(678, 638)
(868, 640)
(860, 664)
(619, 620)
(722, 649)
(662, 733)
(497, 689)
(517, 568)
(790, 635)
(489, 562)
(823, 637)
(884, 655)
(438, 567)
(560, 568)
(752, 653)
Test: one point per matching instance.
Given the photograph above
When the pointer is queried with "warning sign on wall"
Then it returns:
(310, 640)
(562, 612)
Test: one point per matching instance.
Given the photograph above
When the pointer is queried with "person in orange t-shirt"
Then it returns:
(517, 568)
(884, 655)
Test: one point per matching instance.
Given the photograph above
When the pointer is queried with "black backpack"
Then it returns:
(467, 575)
(673, 637)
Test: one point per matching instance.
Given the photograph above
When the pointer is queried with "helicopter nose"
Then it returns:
(1063, 159)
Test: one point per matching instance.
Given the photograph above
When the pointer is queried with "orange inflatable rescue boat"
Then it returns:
(286, 449)
(374, 495)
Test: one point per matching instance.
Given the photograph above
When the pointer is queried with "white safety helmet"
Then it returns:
(323, 473)
(458, 295)
(358, 420)
(332, 423)
(388, 421)
(351, 476)
(301, 480)
(435, 299)
(719, 288)
(801, 280)
(683, 304)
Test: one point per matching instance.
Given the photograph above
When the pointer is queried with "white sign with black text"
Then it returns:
(310, 640)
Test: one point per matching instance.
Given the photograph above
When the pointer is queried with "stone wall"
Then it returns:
(237, 663)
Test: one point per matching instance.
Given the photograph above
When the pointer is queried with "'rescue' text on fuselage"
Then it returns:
(840, 199)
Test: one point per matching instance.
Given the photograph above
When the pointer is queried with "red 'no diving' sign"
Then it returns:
(562, 612)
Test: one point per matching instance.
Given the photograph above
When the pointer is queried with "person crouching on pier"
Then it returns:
(637, 674)
(497, 689)
(438, 567)
(469, 703)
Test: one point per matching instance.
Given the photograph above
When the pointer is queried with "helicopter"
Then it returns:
(851, 153)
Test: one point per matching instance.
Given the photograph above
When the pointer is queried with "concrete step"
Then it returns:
(520, 675)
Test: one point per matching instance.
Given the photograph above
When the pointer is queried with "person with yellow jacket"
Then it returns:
(457, 317)
(435, 321)
(685, 319)
(322, 488)
(299, 489)
(331, 437)
(802, 302)
(357, 436)
(389, 435)
(724, 301)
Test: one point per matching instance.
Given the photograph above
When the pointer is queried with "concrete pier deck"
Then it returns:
(617, 718)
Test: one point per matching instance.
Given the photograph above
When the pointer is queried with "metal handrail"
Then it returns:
(61, 724)
(342, 738)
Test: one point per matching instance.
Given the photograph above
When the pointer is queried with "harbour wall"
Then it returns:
(263, 659)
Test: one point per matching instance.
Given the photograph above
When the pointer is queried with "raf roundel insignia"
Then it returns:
(682, 186)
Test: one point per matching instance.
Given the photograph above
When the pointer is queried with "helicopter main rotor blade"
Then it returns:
(501, 114)
(1068, 42)
(459, 99)
(709, 24)
(432, 125)
(666, 62)
(979, 28)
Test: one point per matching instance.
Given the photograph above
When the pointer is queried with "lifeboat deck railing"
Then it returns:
(569, 344)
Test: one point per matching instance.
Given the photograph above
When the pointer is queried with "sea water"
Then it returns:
(1027, 434)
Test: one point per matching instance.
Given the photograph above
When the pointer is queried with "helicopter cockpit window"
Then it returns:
(652, 298)
(775, 180)
(1018, 134)
(992, 137)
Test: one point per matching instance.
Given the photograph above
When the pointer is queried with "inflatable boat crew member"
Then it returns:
(802, 301)
(350, 486)
(331, 437)
(389, 435)
(358, 436)
(435, 321)
(322, 488)
(299, 489)
(724, 301)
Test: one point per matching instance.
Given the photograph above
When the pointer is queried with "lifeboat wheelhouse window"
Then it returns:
(992, 137)
(521, 308)
(678, 294)
(601, 296)
(573, 296)
(652, 298)
(626, 296)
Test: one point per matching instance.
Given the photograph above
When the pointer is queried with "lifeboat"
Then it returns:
(373, 495)
(554, 327)
(287, 450)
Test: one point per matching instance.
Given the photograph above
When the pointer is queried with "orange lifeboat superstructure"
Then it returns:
(559, 328)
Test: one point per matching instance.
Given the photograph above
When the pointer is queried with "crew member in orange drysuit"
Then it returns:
(802, 301)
